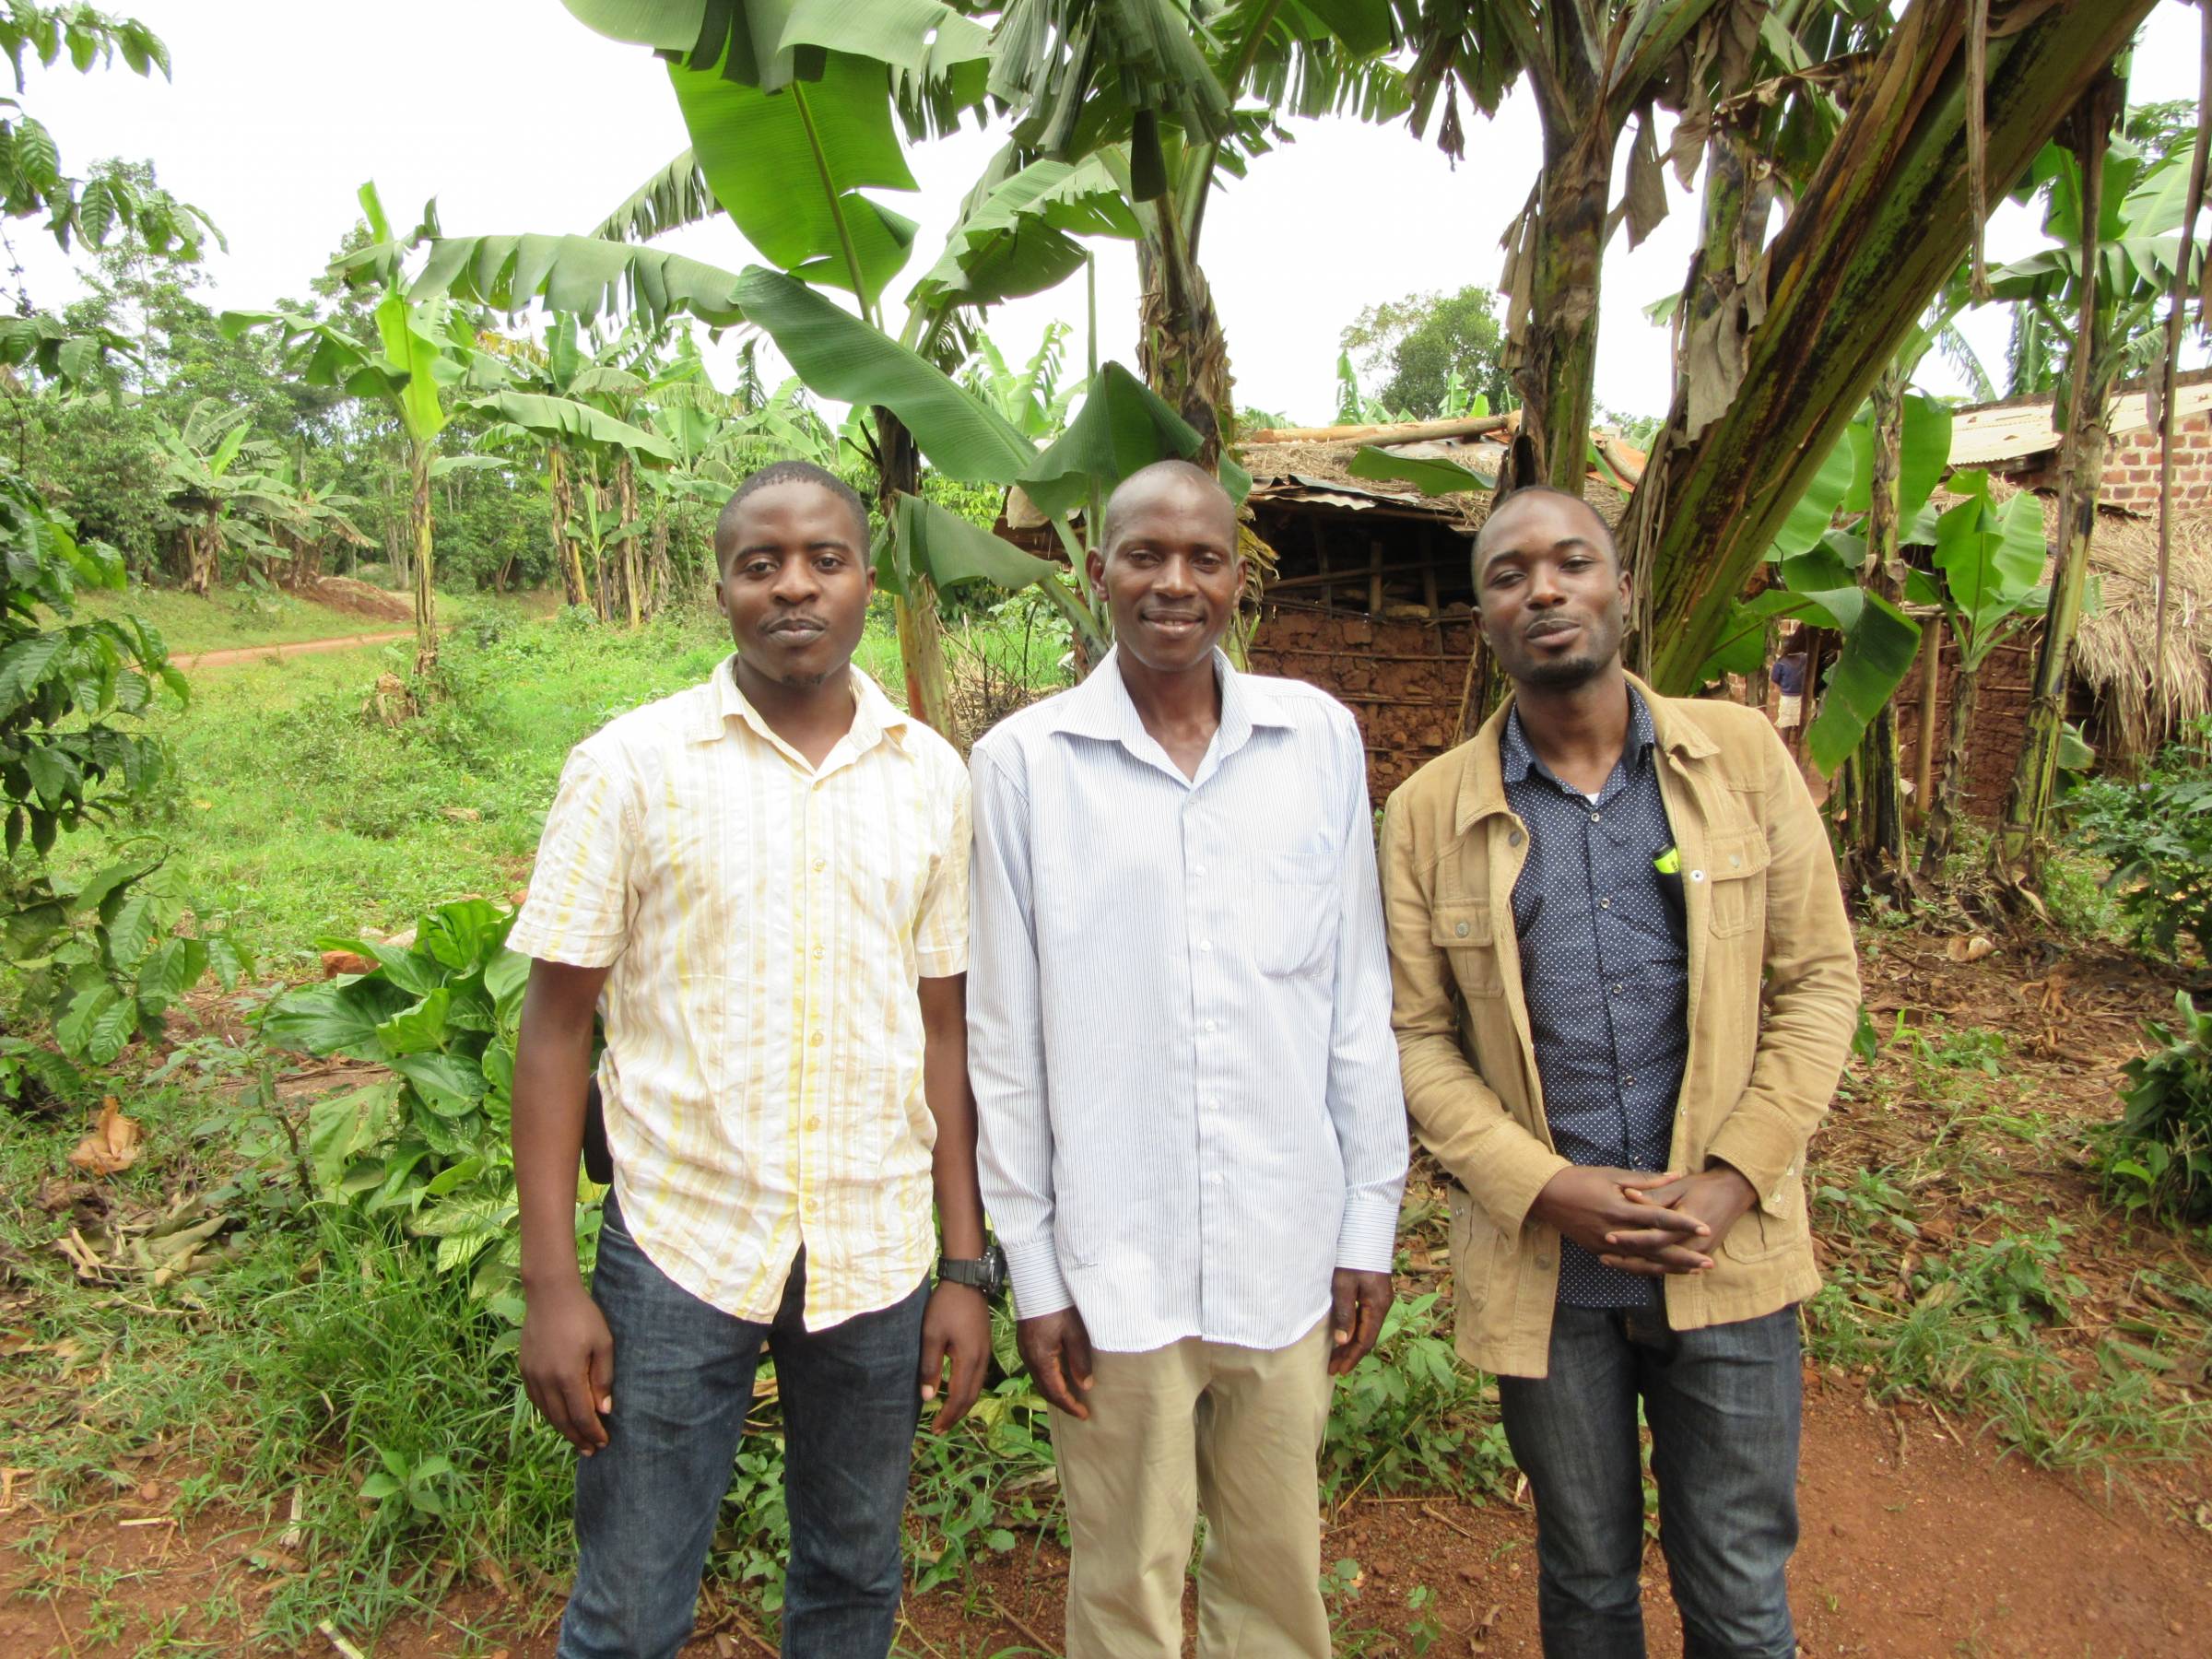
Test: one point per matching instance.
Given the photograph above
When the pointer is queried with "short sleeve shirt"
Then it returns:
(766, 921)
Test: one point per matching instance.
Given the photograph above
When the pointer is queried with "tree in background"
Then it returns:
(1418, 343)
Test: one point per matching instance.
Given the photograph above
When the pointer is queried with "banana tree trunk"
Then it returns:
(1554, 353)
(2035, 778)
(660, 578)
(626, 499)
(1181, 349)
(426, 596)
(1875, 829)
(1943, 817)
(205, 542)
(1876, 230)
(567, 555)
(920, 633)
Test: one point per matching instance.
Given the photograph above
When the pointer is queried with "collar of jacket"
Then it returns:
(1482, 780)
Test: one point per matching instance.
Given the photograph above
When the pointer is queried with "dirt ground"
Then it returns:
(1920, 1538)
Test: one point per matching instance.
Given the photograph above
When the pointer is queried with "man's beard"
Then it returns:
(1566, 674)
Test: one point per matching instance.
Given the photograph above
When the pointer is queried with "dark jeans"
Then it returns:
(646, 1503)
(1724, 1405)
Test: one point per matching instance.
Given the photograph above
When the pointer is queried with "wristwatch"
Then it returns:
(987, 1273)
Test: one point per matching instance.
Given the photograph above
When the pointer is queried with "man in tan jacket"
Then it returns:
(1624, 989)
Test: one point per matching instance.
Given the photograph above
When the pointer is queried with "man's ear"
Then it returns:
(1094, 567)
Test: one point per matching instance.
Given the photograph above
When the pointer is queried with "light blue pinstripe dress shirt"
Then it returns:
(1178, 1015)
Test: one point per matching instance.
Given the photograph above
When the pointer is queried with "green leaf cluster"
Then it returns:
(431, 1144)
(2158, 1157)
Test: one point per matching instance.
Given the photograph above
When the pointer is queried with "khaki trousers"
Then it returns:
(1199, 1426)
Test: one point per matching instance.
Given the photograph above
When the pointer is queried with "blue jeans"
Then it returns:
(1724, 1405)
(646, 1503)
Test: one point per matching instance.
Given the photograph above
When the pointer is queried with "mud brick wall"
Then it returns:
(2131, 470)
(2000, 719)
(1401, 677)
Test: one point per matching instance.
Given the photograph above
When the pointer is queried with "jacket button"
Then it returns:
(1461, 930)
(1544, 1264)
(1513, 840)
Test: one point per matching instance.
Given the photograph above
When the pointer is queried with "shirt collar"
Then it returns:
(1100, 707)
(1515, 757)
(875, 716)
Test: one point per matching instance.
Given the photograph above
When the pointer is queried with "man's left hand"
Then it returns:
(1720, 1197)
(1358, 1302)
(955, 1326)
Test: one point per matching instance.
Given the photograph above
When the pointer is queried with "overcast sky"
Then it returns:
(515, 117)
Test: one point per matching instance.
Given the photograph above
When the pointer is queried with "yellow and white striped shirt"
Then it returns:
(767, 921)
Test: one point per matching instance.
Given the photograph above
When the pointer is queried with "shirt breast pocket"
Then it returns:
(1735, 874)
(1295, 930)
(1461, 930)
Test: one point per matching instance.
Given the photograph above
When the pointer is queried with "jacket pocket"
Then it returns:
(1766, 1230)
(1735, 867)
(1461, 930)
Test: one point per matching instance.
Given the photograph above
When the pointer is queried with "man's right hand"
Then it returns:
(1056, 1348)
(568, 1360)
(1587, 1203)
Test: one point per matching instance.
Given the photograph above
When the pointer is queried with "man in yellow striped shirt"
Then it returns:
(766, 879)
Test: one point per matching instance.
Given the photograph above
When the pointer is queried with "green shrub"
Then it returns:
(2158, 1157)
(2157, 834)
(430, 1144)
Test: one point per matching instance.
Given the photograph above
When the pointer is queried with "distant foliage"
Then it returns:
(1427, 347)
(2160, 1155)
(2156, 833)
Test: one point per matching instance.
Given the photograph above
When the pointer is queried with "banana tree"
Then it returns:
(2113, 212)
(423, 348)
(1171, 95)
(1879, 224)
(1989, 564)
(208, 472)
(1592, 67)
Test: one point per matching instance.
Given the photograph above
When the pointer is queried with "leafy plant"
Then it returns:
(408, 1487)
(1410, 1414)
(430, 1143)
(2157, 833)
(2158, 1157)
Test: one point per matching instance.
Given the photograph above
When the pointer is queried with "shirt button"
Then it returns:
(821, 864)
(815, 953)
(1212, 1104)
(1605, 904)
(1205, 944)
(814, 1039)
(1596, 815)
(1628, 1082)
(1617, 990)
(813, 1204)
(1214, 1180)
(1209, 1025)
(813, 1123)
(1198, 869)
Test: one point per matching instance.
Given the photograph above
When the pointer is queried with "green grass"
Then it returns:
(294, 814)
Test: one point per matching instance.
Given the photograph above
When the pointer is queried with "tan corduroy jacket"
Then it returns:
(1773, 999)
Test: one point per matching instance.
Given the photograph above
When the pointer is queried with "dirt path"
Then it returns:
(251, 654)
(1914, 1546)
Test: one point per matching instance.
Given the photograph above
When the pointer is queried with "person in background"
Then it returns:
(1625, 989)
(765, 878)
(1193, 1140)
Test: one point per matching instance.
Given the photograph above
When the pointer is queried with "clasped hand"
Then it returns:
(1645, 1223)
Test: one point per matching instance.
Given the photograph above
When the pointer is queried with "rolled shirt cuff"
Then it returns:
(1033, 1271)
(1366, 1239)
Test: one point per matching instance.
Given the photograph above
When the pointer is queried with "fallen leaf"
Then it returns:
(460, 815)
(1968, 947)
(112, 1145)
(335, 962)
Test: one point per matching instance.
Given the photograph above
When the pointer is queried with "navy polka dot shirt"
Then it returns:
(1603, 968)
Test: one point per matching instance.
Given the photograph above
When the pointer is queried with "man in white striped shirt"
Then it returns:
(1193, 1138)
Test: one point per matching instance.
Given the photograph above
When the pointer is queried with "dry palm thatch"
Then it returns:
(2114, 650)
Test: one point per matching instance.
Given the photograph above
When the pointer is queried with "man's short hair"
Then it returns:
(1605, 530)
(790, 471)
(1155, 471)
